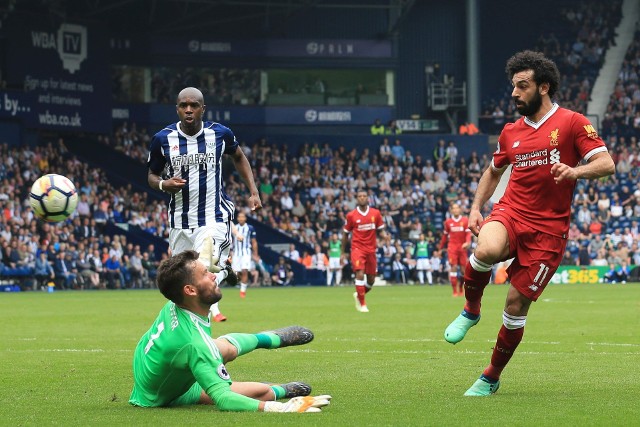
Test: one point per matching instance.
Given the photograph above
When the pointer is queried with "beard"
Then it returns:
(210, 297)
(531, 107)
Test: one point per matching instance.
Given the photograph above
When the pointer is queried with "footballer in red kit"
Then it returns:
(364, 223)
(457, 237)
(549, 148)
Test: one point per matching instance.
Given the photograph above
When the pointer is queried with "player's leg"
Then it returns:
(538, 257)
(264, 391)
(493, 246)
(238, 344)
(215, 241)
(358, 261)
(463, 259)
(244, 282)
(453, 273)
(370, 271)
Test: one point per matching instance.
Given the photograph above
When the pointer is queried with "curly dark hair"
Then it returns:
(544, 69)
(174, 273)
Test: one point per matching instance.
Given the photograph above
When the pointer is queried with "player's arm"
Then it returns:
(343, 243)
(244, 169)
(445, 237)
(599, 165)
(486, 187)
(156, 164)
(254, 248)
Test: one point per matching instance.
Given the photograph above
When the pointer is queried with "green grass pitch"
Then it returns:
(66, 358)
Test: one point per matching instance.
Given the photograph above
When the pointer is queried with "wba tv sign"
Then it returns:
(70, 41)
(63, 71)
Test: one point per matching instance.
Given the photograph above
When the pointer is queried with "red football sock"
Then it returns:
(506, 344)
(454, 283)
(474, 284)
(361, 290)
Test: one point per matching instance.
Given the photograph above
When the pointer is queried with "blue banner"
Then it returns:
(64, 73)
(343, 115)
(322, 48)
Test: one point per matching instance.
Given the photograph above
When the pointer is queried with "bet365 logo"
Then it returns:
(70, 42)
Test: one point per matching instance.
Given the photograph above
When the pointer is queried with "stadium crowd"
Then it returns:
(576, 40)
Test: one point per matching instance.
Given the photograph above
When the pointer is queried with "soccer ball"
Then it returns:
(53, 198)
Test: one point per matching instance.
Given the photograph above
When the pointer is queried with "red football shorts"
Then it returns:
(364, 261)
(537, 255)
(457, 256)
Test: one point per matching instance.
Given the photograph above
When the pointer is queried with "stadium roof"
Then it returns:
(215, 17)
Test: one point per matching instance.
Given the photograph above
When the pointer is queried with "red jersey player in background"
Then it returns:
(364, 223)
(530, 222)
(458, 236)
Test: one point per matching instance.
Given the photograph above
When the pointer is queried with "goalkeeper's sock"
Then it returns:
(278, 391)
(246, 343)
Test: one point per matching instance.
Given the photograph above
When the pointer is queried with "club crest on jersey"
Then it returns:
(554, 137)
(222, 372)
(591, 132)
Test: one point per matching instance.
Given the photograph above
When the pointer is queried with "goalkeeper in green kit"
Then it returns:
(178, 363)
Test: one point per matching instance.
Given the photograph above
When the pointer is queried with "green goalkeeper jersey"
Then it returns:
(175, 354)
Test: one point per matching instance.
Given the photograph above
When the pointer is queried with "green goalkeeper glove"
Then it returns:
(208, 258)
(299, 404)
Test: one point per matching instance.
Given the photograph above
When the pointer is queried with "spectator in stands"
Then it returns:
(600, 258)
(622, 272)
(399, 269)
(305, 259)
(90, 277)
(292, 253)
(392, 128)
(438, 267)
(65, 271)
(440, 152)
(568, 259)
(377, 128)
(319, 260)
(113, 274)
(43, 271)
(282, 274)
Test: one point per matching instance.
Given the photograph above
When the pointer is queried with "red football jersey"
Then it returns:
(532, 196)
(456, 232)
(363, 228)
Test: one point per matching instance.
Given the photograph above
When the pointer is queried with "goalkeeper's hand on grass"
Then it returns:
(299, 404)
(207, 257)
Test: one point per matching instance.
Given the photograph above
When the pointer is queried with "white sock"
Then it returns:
(430, 277)
(220, 276)
(329, 277)
(214, 309)
(338, 277)
(421, 277)
(243, 287)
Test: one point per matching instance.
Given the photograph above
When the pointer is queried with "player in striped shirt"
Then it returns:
(185, 160)
(245, 249)
(176, 362)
